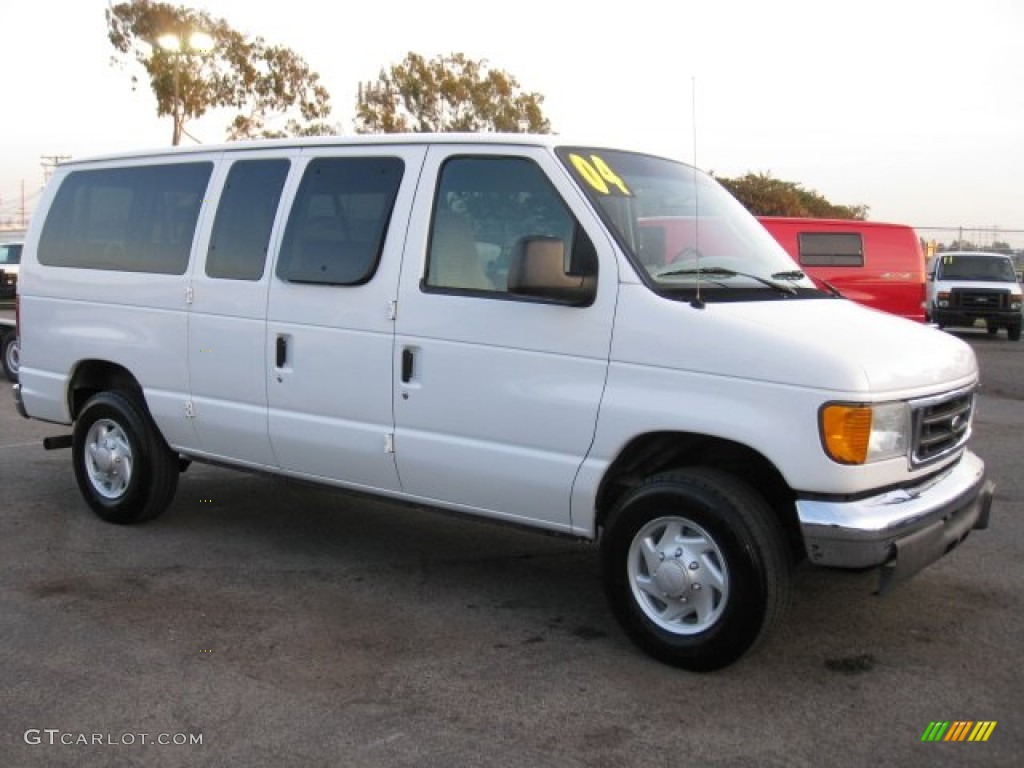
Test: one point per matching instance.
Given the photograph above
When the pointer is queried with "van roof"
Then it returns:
(845, 223)
(376, 139)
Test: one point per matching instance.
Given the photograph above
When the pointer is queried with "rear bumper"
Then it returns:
(903, 530)
(18, 402)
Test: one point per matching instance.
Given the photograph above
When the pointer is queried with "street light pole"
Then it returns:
(176, 47)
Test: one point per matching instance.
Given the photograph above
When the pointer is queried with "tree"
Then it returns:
(445, 94)
(764, 195)
(263, 82)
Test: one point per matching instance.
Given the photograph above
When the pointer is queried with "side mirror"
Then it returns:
(537, 269)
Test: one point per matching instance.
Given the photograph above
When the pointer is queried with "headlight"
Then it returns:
(1015, 301)
(858, 434)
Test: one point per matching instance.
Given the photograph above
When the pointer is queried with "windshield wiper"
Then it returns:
(832, 289)
(796, 274)
(723, 272)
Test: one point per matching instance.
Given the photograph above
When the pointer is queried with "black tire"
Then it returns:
(10, 354)
(1013, 332)
(734, 567)
(992, 330)
(124, 469)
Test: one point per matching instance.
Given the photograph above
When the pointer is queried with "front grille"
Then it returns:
(981, 299)
(942, 425)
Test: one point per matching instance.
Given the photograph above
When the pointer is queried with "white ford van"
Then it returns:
(964, 287)
(490, 324)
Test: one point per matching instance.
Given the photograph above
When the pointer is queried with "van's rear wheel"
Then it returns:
(695, 567)
(124, 469)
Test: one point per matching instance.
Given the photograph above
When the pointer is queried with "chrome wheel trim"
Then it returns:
(108, 459)
(13, 356)
(678, 575)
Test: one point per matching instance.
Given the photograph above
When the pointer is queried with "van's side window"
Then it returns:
(245, 216)
(485, 208)
(831, 249)
(339, 220)
(136, 219)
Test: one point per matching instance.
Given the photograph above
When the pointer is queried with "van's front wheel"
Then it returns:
(124, 469)
(695, 567)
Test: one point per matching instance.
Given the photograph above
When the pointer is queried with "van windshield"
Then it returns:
(977, 267)
(682, 229)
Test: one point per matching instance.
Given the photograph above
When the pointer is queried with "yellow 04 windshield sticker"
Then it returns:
(599, 175)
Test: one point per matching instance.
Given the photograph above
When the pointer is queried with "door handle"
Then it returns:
(282, 351)
(408, 360)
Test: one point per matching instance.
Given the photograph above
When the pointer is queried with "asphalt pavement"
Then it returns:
(262, 622)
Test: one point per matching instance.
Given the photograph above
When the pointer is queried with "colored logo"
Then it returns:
(959, 730)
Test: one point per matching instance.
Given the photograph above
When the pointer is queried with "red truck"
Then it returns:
(873, 263)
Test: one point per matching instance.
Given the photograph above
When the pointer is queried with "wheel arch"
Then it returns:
(92, 376)
(655, 452)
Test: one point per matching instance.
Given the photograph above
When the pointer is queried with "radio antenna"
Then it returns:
(698, 302)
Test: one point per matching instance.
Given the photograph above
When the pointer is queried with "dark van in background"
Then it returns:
(873, 263)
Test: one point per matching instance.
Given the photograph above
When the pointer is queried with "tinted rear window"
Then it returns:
(831, 249)
(245, 217)
(138, 219)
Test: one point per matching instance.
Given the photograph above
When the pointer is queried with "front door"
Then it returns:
(497, 395)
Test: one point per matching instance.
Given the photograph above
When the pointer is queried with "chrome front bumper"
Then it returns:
(902, 530)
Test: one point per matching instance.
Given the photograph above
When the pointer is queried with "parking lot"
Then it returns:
(266, 623)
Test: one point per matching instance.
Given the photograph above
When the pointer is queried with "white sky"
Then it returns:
(912, 107)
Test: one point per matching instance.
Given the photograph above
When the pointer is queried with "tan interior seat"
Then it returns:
(453, 257)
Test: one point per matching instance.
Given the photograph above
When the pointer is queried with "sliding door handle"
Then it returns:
(408, 360)
(282, 351)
